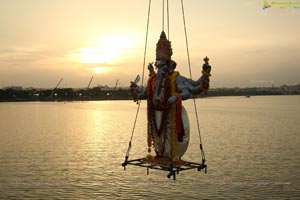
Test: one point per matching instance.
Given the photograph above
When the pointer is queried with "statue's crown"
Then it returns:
(163, 48)
(206, 59)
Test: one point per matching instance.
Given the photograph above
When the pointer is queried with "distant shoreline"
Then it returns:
(18, 94)
(122, 99)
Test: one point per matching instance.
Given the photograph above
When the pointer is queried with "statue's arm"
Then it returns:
(182, 90)
(137, 93)
(141, 92)
(192, 87)
(202, 84)
(192, 82)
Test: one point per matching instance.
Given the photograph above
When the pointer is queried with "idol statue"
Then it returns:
(168, 129)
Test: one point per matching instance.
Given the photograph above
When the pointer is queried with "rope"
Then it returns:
(168, 20)
(189, 64)
(163, 15)
(139, 102)
(146, 41)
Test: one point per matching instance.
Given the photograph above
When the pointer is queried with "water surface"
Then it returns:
(74, 150)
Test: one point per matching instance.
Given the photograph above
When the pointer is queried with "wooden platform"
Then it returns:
(165, 165)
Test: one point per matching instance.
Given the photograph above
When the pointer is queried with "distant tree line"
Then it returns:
(63, 94)
(282, 90)
(106, 93)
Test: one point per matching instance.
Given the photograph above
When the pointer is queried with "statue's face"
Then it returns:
(162, 71)
(162, 67)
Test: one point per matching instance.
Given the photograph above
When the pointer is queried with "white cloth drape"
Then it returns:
(159, 140)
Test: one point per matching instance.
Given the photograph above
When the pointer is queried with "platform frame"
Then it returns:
(165, 165)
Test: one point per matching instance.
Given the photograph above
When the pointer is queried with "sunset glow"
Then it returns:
(110, 49)
(42, 41)
(99, 70)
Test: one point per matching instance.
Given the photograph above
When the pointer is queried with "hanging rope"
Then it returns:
(168, 20)
(189, 64)
(143, 74)
(163, 18)
(146, 41)
(163, 15)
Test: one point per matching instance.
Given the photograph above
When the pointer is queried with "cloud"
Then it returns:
(30, 58)
(20, 55)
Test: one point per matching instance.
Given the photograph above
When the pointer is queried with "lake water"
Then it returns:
(74, 150)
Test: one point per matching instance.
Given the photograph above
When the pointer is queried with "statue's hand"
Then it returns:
(172, 99)
(133, 86)
(206, 68)
(204, 84)
(151, 68)
(133, 92)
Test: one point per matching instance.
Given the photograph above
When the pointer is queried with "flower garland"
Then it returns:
(173, 114)
(150, 89)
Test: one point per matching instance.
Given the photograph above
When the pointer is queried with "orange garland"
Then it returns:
(173, 113)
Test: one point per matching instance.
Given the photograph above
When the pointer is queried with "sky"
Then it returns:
(42, 41)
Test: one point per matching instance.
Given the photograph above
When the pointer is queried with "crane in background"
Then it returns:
(116, 84)
(52, 93)
(88, 87)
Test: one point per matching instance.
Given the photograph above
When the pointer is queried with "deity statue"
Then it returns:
(168, 130)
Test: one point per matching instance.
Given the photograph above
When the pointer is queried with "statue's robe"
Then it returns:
(168, 125)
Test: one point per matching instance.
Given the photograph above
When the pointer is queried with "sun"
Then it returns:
(108, 49)
(99, 70)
